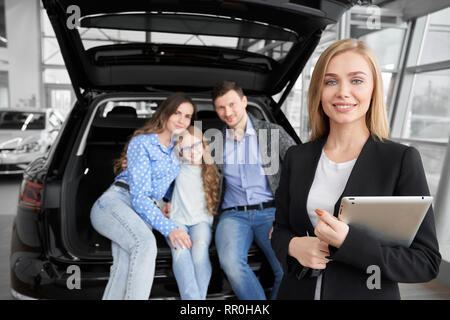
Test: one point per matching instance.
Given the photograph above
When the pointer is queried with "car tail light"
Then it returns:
(31, 194)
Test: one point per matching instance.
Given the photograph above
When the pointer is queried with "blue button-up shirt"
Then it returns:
(245, 180)
(151, 168)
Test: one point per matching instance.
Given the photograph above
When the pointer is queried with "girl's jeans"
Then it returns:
(192, 267)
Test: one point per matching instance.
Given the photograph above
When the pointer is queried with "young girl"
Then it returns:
(127, 212)
(193, 204)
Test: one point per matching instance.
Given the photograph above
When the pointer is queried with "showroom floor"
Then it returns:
(9, 189)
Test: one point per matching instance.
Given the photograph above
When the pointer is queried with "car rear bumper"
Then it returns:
(19, 296)
(38, 274)
(35, 278)
(16, 295)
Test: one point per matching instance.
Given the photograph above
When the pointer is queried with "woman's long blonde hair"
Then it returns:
(376, 118)
(210, 175)
(157, 123)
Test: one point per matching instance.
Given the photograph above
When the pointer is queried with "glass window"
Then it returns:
(144, 109)
(388, 87)
(51, 52)
(437, 39)
(60, 100)
(440, 17)
(58, 76)
(387, 44)
(3, 40)
(22, 120)
(433, 160)
(46, 26)
(4, 89)
(429, 115)
(295, 105)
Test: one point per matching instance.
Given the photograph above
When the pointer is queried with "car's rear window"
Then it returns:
(133, 109)
(16, 120)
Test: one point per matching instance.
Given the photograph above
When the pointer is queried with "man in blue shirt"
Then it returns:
(248, 187)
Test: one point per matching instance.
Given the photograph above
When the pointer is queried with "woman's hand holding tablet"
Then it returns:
(330, 230)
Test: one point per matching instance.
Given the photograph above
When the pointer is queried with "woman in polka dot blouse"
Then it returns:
(127, 212)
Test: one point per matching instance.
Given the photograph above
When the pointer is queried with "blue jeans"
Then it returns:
(235, 233)
(192, 268)
(133, 245)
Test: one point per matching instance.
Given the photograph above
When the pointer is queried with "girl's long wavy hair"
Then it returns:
(157, 123)
(210, 175)
(376, 117)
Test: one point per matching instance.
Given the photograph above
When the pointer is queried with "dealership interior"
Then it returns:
(411, 39)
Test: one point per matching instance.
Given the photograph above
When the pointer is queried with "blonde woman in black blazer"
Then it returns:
(349, 128)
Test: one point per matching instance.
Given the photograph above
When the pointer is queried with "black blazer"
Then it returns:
(382, 169)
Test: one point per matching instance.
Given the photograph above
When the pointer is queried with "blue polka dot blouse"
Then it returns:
(151, 168)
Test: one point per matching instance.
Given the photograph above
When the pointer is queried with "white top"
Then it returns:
(329, 183)
(188, 205)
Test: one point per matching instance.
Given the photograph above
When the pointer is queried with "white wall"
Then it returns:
(22, 57)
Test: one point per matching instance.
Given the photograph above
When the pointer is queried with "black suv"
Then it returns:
(177, 46)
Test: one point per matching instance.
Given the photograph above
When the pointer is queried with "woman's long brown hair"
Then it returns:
(157, 123)
(210, 175)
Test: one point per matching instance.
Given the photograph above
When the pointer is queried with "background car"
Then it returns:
(25, 135)
(263, 45)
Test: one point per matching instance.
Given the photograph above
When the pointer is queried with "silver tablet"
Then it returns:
(393, 220)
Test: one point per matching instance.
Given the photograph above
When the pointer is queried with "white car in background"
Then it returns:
(26, 134)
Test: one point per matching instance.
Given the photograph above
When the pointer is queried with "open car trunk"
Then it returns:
(110, 124)
(189, 45)
(261, 44)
